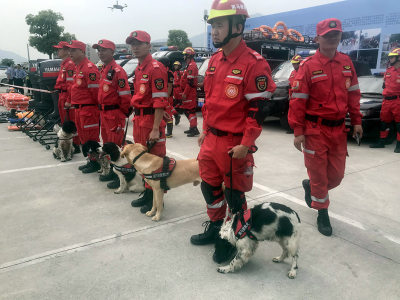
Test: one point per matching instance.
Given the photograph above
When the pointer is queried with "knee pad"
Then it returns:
(236, 199)
(211, 193)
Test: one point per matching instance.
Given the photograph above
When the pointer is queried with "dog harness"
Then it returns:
(125, 169)
(243, 225)
(163, 173)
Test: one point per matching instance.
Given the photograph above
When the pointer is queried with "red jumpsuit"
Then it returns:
(84, 91)
(291, 80)
(391, 104)
(170, 109)
(188, 86)
(324, 91)
(233, 86)
(114, 102)
(151, 92)
(63, 84)
(177, 92)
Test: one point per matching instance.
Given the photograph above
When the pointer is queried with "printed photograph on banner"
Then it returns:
(350, 41)
(370, 38)
(391, 41)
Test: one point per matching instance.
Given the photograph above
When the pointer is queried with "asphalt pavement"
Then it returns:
(64, 235)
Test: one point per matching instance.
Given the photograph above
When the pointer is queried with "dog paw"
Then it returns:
(63, 160)
(118, 191)
(223, 270)
(156, 218)
(292, 274)
(277, 259)
(150, 213)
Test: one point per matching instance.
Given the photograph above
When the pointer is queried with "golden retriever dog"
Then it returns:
(185, 171)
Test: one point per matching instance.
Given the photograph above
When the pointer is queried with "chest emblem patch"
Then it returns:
(348, 83)
(236, 72)
(142, 88)
(231, 91)
(106, 88)
(79, 81)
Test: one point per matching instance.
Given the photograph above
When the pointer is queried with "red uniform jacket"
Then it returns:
(392, 82)
(65, 77)
(189, 82)
(231, 84)
(84, 89)
(114, 88)
(177, 85)
(291, 80)
(327, 88)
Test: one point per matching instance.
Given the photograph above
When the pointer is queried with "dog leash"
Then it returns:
(126, 131)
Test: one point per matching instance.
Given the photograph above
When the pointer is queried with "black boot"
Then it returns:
(148, 204)
(224, 251)
(113, 184)
(77, 149)
(170, 126)
(148, 193)
(110, 176)
(397, 149)
(324, 225)
(93, 166)
(307, 192)
(188, 131)
(177, 119)
(80, 168)
(209, 235)
(379, 144)
(194, 132)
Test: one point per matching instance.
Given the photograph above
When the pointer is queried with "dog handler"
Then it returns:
(149, 102)
(114, 98)
(237, 84)
(84, 92)
(324, 91)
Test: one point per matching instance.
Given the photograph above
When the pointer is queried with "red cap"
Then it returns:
(61, 45)
(329, 25)
(104, 44)
(141, 36)
(77, 45)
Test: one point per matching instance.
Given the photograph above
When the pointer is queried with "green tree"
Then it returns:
(7, 62)
(45, 31)
(178, 38)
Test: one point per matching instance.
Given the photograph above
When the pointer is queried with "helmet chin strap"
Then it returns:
(393, 63)
(229, 36)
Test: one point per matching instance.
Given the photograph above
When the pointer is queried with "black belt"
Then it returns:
(82, 105)
(218, 132)
(108, 107)
(326, 122)
(144, 111)
(391, 97)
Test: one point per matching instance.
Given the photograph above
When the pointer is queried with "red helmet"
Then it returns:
(296, 59)
(394, 52)
(188, 51)
(224, 8)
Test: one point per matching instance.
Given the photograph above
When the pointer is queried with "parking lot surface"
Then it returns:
(64, 235)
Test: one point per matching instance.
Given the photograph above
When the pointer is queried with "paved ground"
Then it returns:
(64, 235)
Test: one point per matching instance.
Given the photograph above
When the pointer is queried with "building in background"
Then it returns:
(370, 28)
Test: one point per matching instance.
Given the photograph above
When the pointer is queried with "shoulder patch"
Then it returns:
(121, 83)
(92, 76)
(262, 83)
(159, 83)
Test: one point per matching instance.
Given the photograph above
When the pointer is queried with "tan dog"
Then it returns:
(185, 171)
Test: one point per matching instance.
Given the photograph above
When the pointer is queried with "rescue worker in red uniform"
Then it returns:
(189, 91)
(296, 60)
(237, 84)
(324, 91)
(84, 92)
(390, 110)
(177, 92)
(114, 98)
(149, 101)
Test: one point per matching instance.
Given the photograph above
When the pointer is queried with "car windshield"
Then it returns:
(370, 84)
(203, 68)
(159, 54)
(130, 66)
(282, 72)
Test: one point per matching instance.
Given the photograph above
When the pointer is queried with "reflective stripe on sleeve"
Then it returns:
(353, 88)
(300, 95)
(160, 94)
(91, 125)
(265, 94)
(161, 140)
(323, 200)
(91, 86)
(124, 93)
(216, 205)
